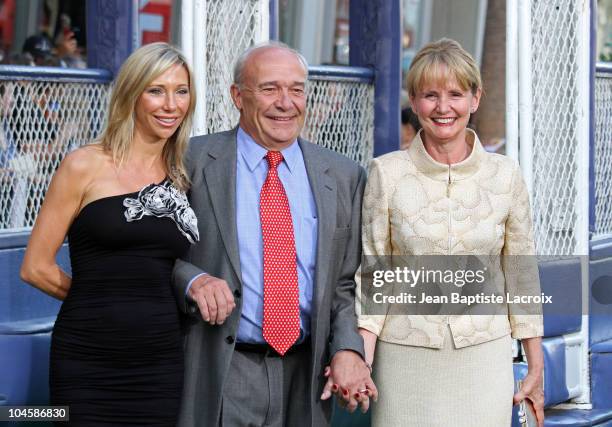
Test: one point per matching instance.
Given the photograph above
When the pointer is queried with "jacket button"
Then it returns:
(237, 293)
(229, 339)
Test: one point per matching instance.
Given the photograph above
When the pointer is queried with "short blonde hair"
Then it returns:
(137, 72)
(441, 61)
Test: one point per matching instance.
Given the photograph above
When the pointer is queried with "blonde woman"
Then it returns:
(447, 196)
(116, 350)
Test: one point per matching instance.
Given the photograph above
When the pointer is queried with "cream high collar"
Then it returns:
(440, 171)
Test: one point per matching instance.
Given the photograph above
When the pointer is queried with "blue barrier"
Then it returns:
(561, 280)
(339, 73)
(555, 387)
(603, 67)
(600, 304)
(601, 248)
(26, 320)
(578, 418)
(46, 74)
(14, 240)
(601, 375)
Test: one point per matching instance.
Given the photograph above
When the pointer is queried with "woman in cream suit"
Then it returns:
(446, 195)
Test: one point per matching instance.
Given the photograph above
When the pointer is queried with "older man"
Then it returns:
(279, 224)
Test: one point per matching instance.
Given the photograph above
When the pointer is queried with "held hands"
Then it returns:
(213, 297)
(348, 377)
(533, 393)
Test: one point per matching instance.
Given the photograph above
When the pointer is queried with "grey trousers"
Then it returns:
(263, 390)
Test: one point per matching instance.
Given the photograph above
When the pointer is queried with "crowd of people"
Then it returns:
(215, 280)
(35, 132)
(39, 124)
(40, 50)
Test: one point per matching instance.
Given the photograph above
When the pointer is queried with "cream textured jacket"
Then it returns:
(415, 206)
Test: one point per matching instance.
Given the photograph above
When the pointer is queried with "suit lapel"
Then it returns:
(324, 191)
(220, 175)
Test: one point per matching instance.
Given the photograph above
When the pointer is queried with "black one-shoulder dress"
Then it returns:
(116, 350)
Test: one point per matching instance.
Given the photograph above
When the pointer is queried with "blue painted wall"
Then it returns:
(374, 40)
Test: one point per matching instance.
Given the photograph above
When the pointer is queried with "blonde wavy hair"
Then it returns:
(137, 72)
(441, 61)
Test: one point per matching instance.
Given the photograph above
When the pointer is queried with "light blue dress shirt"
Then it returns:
(251, 172)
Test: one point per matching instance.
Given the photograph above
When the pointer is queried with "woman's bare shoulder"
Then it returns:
(81, 167)
(85, 161)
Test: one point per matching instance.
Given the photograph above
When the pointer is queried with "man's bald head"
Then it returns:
(247, 55)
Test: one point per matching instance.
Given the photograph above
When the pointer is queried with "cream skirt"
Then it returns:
(423, 387)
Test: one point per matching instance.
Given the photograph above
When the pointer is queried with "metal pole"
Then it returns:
(199, 47)
(480, 30)
(584, 76)
(583, 131)
(525, 93)
(187, 29)
(193, 44)
(512, 124)
(592, 77)
(263, 33)
(273, 13)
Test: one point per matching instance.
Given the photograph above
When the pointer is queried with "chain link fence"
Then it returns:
(603, 153)
(555, 29)
(40, 122)
(231, 27)
(340, 109)
(340, 116)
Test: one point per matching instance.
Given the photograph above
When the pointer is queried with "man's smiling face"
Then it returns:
(271, 97)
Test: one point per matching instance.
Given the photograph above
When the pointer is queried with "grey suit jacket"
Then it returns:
(337, 184)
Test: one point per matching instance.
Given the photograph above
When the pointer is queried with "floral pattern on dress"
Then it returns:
(164, 200)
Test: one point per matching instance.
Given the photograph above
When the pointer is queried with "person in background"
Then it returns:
(66, 45)
(47, 127)
(117, 347)
(447, 197)
(38, 51)
(410, 127)
(67, 50)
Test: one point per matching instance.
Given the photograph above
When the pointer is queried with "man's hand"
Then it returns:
(533, 393)
(213, 297)
(348, 377)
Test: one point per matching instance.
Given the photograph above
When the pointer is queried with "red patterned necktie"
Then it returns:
(281, 317)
